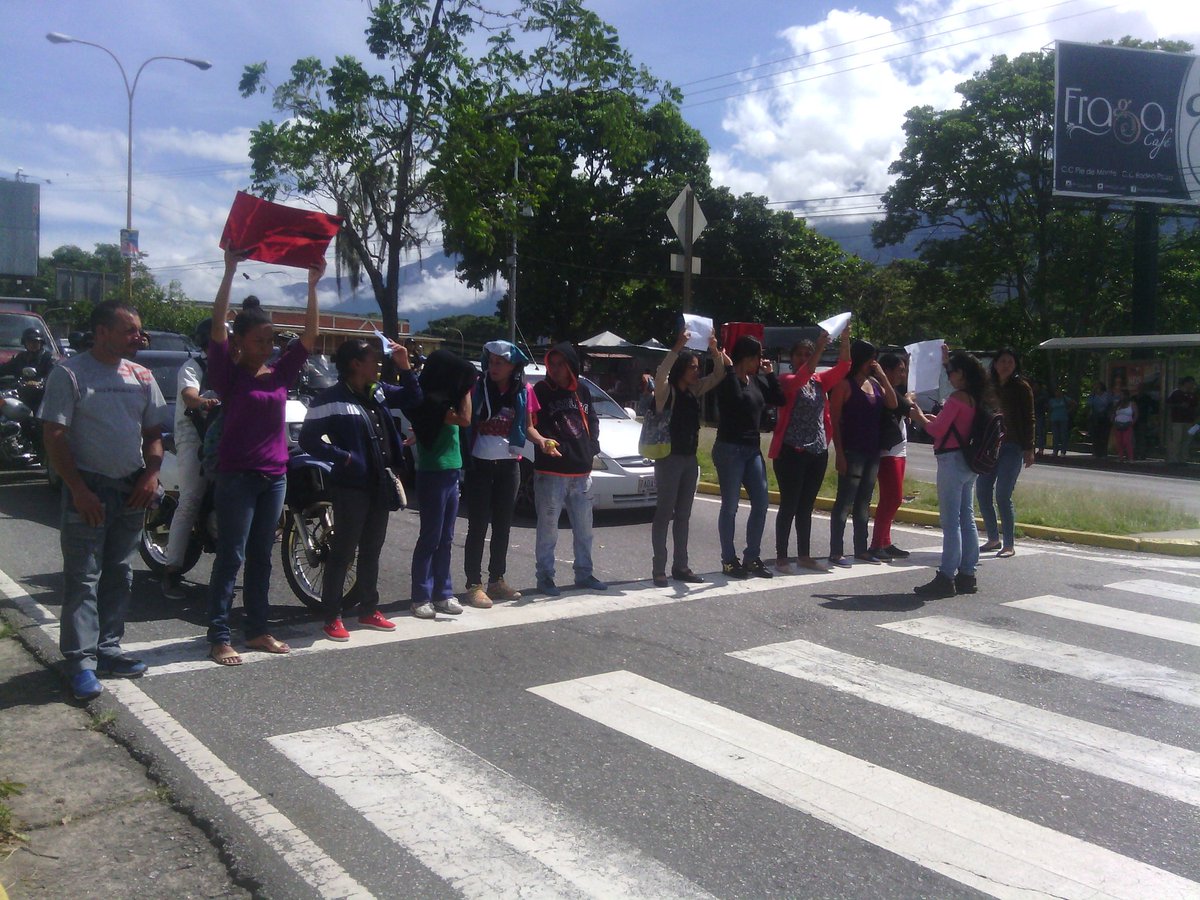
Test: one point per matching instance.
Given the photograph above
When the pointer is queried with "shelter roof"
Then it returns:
(1124, 342)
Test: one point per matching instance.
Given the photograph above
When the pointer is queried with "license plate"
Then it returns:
(647, 484)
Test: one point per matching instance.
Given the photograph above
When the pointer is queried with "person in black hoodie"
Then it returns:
(565, 431)
(352, 426)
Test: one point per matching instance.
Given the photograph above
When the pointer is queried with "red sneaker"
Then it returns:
(377, 621)
(336, 631)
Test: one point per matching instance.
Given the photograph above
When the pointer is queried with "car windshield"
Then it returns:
(12, 327)
(606, 407)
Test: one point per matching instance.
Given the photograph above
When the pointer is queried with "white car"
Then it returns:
(621, 477)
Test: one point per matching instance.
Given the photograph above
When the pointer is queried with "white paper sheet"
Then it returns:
(835, 325)
(389, 345)
(700, 330)
(924, 365)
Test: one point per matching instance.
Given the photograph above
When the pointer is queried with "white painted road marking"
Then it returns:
(187, 654)
(992, 851)
(478, 828)
(1160, 627)
(1166, 589)
(1094, 665)
(1151, 765)
(300, 852)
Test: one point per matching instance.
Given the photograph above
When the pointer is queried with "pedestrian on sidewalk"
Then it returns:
(1099, 409)
(445, 409)
(500, 413)
(1016, 404)
(1124, 421)
(1182, 407)
(856, 407)
(950, 430)
(680, 386)
(799, 449)
(566, 437)
(893, 455)
(252, 458)
(1061, 409)
(742, 396)
(352, 426)
(101, 419)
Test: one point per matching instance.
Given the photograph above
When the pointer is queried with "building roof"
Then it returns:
(1124, 342)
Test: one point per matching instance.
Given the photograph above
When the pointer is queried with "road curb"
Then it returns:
(1167, 547)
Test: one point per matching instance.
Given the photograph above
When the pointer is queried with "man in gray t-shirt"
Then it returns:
(101, 417)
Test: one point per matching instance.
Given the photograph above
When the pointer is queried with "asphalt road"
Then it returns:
(817, 735)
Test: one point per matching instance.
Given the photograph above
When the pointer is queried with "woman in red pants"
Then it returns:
(892, 456)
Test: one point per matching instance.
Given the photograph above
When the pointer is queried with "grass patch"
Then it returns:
(6, 630)
(1076, 509)
(8, 825)
(102, 721)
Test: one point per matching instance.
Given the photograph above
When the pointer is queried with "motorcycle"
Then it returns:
(20, 429)
(305, 527)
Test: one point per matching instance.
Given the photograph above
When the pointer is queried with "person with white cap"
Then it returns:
(499, 429)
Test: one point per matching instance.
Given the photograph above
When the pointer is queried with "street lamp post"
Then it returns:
(55, 38)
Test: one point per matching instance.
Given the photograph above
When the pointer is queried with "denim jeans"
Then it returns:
(491, 489)
(1061, 429)
(360, 524)
(1001, 483)
(738, 465)
(853, 498)
(956, 513)
(551, 494)
(96, 573)
(437, 499)
(675, 476)
(248, 507)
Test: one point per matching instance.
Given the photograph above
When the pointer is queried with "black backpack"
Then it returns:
(981, 449)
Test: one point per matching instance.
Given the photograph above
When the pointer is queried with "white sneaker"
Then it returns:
(423, 610)
(449, 606)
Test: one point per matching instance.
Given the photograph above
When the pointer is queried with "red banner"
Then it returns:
(280, 235)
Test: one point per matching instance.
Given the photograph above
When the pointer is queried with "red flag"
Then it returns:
(277, 234)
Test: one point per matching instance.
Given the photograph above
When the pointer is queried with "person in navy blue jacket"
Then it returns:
(353, 427)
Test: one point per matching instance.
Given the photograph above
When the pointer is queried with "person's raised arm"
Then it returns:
(837, 399)
(312, 315)
(885, 385)
(462, 415)
(220, 313)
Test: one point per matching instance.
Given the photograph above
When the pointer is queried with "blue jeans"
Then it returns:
(248, 508)
(437, 499)
(956, 513)
(738, 465)
(1001, 483)
(96, 573)
(854, 492)
(551, 494)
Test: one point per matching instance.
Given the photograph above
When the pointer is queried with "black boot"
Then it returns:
(940, 587)
(965, 584)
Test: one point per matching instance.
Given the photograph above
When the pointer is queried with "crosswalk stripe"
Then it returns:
(188, 653)
(1094, 665)
(478, 828)
(1161, 627)
(1151, 765)
(995, 852)
(1166, 589)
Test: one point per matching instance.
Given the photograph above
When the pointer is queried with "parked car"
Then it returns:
(13, 324)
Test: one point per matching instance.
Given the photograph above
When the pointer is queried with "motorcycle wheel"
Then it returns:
(153, 543)
(306, 572)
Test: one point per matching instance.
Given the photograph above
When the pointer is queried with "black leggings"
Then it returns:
(799, 475)
(491, 490)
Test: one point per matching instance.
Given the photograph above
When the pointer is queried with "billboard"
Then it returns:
(20, 202)
(1126, 124)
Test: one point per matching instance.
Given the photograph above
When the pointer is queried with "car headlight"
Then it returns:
(598, 464)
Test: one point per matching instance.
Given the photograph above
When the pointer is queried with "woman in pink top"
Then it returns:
(950, 430)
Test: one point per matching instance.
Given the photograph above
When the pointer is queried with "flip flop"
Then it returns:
(268, 644)
(224, 655)
(1006, 553)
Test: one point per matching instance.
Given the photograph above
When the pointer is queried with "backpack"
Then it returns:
(981, 449)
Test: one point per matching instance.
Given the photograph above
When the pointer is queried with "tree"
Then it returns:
(975, 182)
(365, 141)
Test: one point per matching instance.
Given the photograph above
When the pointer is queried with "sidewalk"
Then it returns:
(94, 823)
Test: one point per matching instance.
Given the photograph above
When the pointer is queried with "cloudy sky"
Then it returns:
(799, 101)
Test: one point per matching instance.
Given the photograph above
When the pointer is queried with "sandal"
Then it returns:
(224, 655)
(268, 644)
(989, 547)
(1006, 553)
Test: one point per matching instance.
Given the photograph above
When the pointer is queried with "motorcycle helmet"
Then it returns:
(32, 334)
(202, 333)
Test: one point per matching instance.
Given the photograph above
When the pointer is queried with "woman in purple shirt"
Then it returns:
(252, 458)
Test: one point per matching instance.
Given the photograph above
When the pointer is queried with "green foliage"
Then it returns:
(471, 330)
(8, 824)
